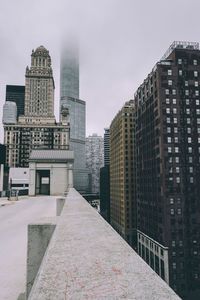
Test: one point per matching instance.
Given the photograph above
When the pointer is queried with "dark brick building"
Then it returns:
(168, 168)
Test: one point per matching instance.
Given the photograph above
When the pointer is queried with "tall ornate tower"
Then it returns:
(39, 93)
(37, 128)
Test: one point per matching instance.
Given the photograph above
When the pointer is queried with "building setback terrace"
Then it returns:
(87, 259)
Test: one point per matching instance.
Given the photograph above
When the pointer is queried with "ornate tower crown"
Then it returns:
(40, 59)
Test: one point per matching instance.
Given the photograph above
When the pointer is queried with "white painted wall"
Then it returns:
(60, 177)
(19, 175)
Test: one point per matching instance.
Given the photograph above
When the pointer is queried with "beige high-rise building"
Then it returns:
(122, 198)
(37, 128)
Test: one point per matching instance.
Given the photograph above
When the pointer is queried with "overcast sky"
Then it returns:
(120, 42)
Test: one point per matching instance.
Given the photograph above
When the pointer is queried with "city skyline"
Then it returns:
(113, 61)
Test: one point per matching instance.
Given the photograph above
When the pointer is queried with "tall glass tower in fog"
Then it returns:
(69, 71)
(69, 97)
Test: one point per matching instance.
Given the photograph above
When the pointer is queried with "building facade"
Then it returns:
(167, 135)
(106, 146)
(105, 178)
(16, 93)
(94, 160)
(37, 128)
(122, 193)
(9, 113)
(69, 97)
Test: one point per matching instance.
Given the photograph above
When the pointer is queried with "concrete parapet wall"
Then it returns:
(39, 235)
(87, 259)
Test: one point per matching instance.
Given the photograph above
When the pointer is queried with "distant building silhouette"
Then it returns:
(94, 159)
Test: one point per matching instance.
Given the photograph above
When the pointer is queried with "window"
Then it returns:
(171, 200)
(168, 130)
(196, 83)
(186, 92)
(197, 102)
(179, 211)
(191, 169)
(167, 101)
(198, 130)
(175, 120)
(189, 140)
(190, 149)
(169, 72)
(173, 243)
(188, 130)
(176, 149)
(188, 120)
(169, 149)
(191, 180)
(190, 159)
(187, 101)
(179, 61)
(176, 139)
(177, 170)
(194, 62)
(174, 110)
(198, 140)
(186, 83)
(196, 93)
(195, 74)
(169, 82)
(177, 159)
(180, 72)
(166, 91)
(177, 179)
(198, 120)
(174, 101)
(168, 110)
(172, 211)
(173, 92)
(187, 111)
(168, 120)
(175, 130)
(169, 139)
(198, 111)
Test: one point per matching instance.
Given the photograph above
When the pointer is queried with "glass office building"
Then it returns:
(69, 97)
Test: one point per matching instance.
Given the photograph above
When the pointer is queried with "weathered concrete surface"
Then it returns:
(87, 259)
(39, 235)
(59, 205)
(13, 241)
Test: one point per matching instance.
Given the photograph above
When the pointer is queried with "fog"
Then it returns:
(120, 42)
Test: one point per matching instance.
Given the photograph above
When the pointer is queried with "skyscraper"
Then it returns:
(16, 93)
(37, 127)
(105, 178)
(122, 190)
(168, 168)
(106, 146)
(69, 71)
(94, 160)
(69, 97)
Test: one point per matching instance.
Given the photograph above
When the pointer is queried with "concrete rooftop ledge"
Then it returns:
(87, 259)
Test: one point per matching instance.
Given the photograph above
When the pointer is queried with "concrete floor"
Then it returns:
(13, 241)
